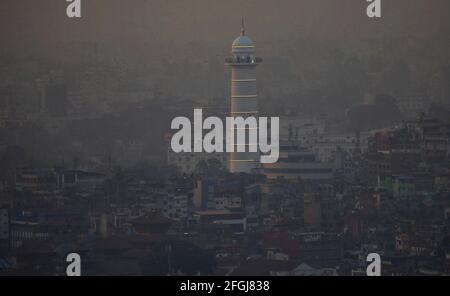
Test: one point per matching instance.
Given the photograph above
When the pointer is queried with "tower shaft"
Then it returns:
(244, 99)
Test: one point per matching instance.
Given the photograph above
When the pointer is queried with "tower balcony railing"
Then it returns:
(243, 60)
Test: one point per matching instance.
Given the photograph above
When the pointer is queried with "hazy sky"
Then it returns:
(139, 24)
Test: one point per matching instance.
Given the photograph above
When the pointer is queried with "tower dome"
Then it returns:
(243, 43)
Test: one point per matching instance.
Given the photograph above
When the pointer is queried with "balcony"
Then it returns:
(243, 61)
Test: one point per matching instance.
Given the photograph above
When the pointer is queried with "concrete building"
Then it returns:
(226, 202)
(225, 220)
(188, 162)
(175, 207)
(326, 145)
(300, 128)
(411, 106)
(4, 224)
(297, 162)
(244, 102)
(27, 231)
(203, 192)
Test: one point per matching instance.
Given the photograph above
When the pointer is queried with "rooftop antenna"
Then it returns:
(242, 27)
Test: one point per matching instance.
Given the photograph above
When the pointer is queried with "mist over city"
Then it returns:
(86, 163)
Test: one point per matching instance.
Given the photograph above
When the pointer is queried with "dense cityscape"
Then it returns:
(364, 167)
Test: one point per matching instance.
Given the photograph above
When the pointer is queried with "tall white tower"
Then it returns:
(244, 99)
